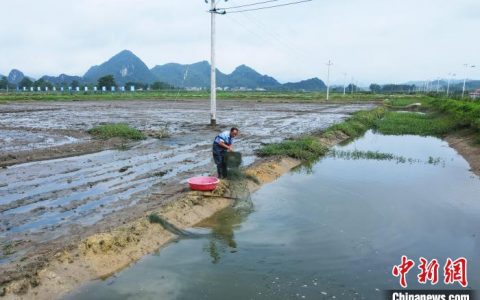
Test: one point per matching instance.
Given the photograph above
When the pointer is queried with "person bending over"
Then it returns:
(222, 144)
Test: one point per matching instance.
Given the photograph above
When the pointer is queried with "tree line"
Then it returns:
(107, 81)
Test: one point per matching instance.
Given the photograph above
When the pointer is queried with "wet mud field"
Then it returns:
(45, 202)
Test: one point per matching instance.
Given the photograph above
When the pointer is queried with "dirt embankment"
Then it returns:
(464, 143)
(102, 254)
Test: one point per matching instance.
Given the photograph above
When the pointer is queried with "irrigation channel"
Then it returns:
(333, 230)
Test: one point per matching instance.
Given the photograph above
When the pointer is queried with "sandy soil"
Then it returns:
(463, 142)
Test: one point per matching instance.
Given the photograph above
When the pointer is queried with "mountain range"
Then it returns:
(127, 67)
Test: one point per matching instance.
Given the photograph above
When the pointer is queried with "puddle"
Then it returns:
(333, 232)
(21, 140)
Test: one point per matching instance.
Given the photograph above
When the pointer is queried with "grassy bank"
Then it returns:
(441, 117)
(311, 147)
(305, 148)
(119, 130)
(430, 124)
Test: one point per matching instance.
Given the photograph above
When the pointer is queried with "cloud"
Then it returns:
(371, 40)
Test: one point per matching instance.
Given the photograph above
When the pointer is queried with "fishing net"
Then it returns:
(233, 160)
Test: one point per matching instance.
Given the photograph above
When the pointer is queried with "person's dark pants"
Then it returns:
(219, 158)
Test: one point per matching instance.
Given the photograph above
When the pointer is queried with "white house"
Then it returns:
(475, 94)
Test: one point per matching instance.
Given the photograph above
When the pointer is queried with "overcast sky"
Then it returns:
(371, 40)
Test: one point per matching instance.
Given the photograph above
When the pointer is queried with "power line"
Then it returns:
(279, 38)
(245, 5)
(272, 38)
(266, 7)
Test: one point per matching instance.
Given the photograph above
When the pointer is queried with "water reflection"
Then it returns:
(223, 226)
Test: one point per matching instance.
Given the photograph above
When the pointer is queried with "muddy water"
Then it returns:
(330, 232)
(44, 200)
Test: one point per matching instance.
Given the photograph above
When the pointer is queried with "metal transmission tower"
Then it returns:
(214, 10)
(329, 64)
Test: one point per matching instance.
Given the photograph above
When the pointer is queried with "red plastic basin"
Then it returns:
(203, 183)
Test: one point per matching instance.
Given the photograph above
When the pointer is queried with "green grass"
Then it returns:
(465, 113)
(309, 148)
(305, 148)
(358, 123)
(402, 102)
(175, 95)
(120, 130)
(401, 123)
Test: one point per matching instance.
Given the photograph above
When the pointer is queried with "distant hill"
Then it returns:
(244, 76)
(125, 67)
(62, 79)
(15, 76)
(313, 84)
(196, 75)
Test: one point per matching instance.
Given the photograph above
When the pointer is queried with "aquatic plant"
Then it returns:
(120, 130)
(376, 155)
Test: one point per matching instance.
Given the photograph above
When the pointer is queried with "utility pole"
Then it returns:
(352, 85)
(222, 11)
(344, 83)
(438, 85)
(329, 64)
(450, 75)
(465, 79)
(213, 77)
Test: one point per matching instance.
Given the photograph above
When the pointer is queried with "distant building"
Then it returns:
(475, 95)
(194, 88)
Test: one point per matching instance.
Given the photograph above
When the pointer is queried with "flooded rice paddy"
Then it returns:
(330, 231)
(44, 200)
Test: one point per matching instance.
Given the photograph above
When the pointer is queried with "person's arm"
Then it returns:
(223, 145)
